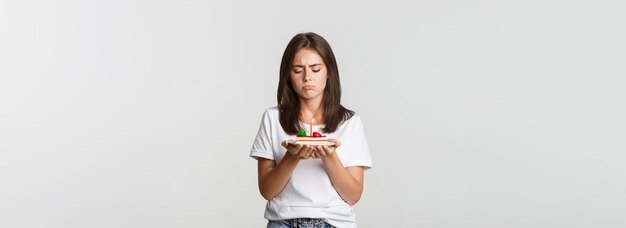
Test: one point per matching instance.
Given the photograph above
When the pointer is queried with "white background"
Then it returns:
(478, 113)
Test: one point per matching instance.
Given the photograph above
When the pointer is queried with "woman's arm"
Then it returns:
(273, 177)
(347, 181)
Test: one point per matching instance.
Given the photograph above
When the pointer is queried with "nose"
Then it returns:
(306, 77)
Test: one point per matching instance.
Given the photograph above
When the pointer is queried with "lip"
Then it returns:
(308, 87)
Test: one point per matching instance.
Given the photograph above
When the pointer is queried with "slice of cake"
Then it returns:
(312, 140)
(316, 140)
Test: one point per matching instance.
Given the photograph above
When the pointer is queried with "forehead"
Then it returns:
(307, 56)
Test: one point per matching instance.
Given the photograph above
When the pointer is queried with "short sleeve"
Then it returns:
(262, 146)
(355, 146)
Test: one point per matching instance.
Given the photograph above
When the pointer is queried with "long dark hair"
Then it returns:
(289, 104)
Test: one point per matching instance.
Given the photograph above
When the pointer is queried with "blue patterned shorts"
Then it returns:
(299, 223)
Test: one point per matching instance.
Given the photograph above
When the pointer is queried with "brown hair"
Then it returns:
(289, 104)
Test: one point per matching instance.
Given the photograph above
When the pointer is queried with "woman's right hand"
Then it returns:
(298, 150)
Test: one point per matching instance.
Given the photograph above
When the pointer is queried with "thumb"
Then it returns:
(336, 141)
(284, 143)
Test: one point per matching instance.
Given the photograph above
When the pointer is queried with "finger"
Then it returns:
(303, 149)
(298, 148)
(310, 154)
(294, 148)
(313, 149)
(328, 150)
(304, 155)
(320, 152)
(285, 143)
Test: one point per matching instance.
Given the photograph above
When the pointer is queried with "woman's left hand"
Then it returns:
(324, 151)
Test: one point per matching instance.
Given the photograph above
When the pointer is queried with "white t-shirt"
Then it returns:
(309, 192)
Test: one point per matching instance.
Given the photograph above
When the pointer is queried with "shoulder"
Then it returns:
(271, 113)
(355, 122)
(273, 109)
(355, 118)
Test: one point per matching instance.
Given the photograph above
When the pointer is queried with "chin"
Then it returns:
(309, 95)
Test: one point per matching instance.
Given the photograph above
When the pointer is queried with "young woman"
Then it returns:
(310, 186)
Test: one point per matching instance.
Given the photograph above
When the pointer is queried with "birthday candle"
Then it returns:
(311, 129)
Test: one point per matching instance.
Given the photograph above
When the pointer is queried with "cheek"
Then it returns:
(323, 85)
(293, 79)
(296, 86)
(323, 80)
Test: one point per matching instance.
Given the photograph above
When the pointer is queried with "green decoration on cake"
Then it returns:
(301, 133)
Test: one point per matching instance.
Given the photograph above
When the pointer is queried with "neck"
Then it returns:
(311, 108)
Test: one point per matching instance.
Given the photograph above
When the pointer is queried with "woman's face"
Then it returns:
(308, 74)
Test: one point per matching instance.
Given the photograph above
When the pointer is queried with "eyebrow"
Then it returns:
(298, 65)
